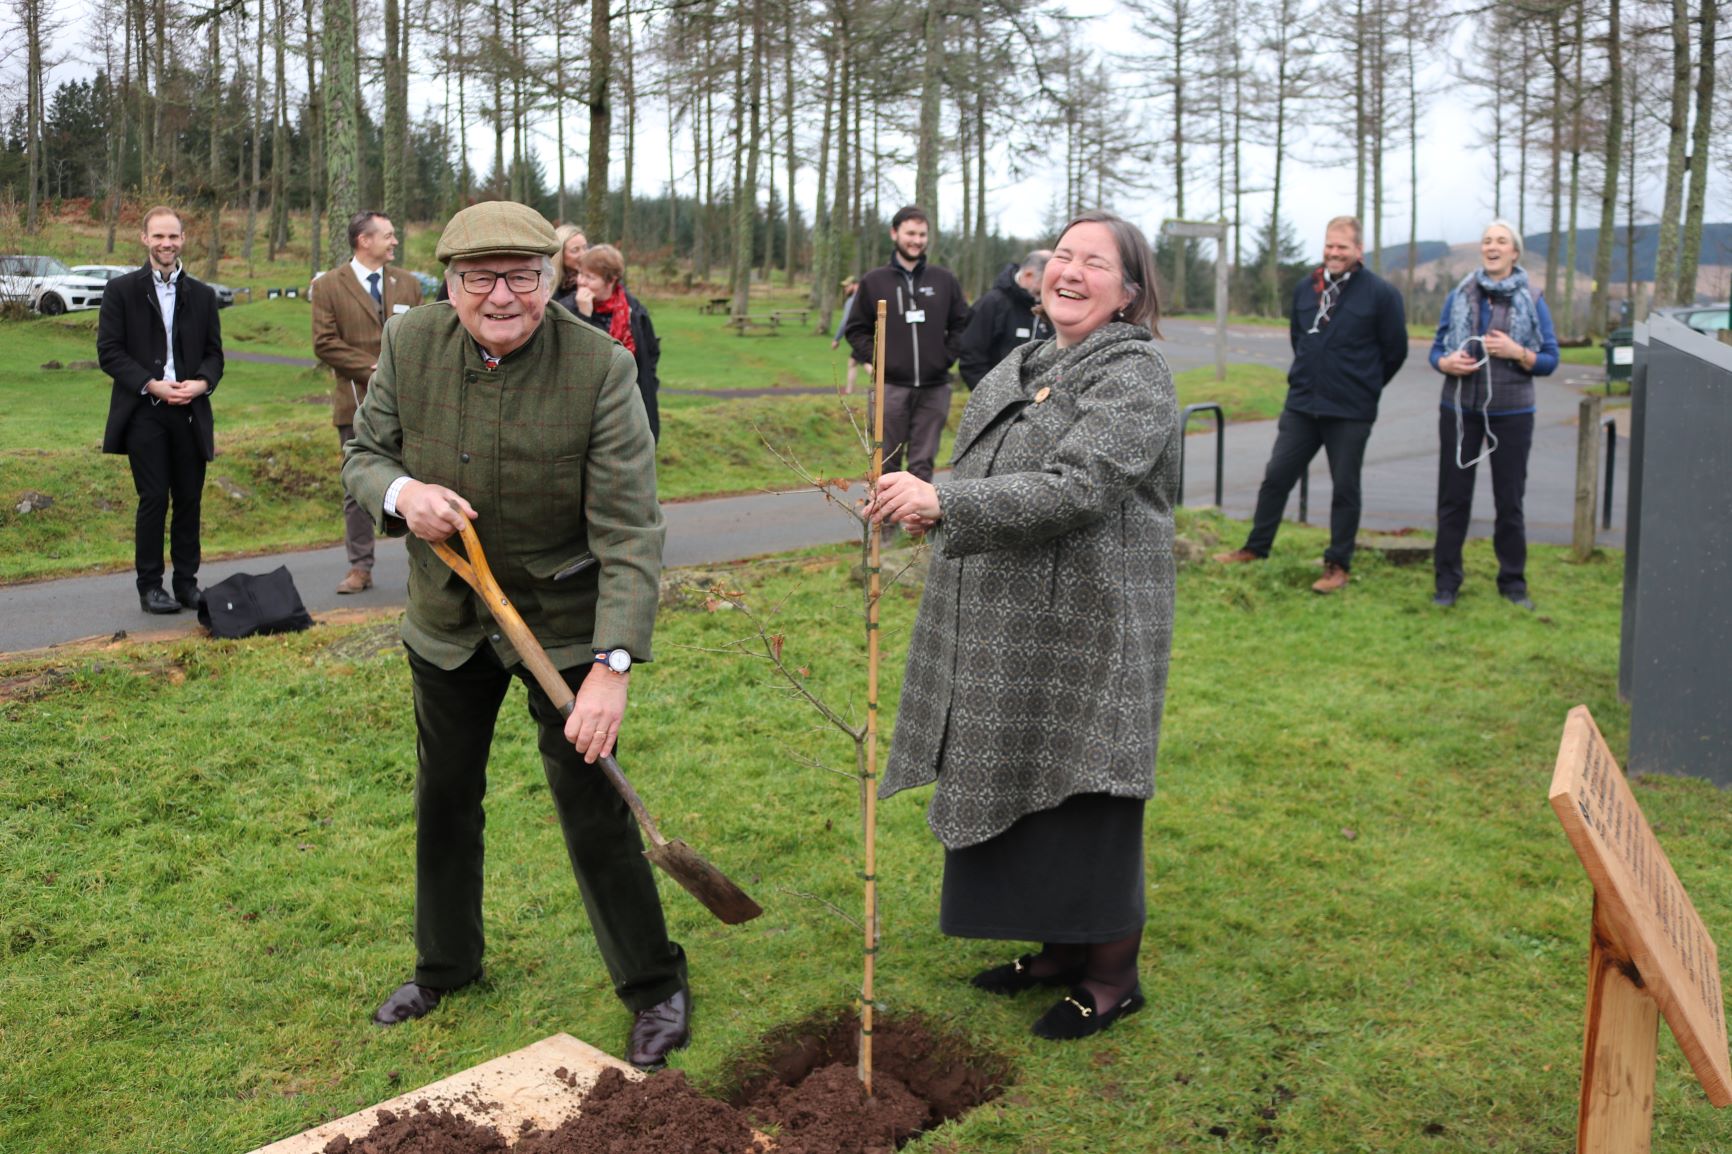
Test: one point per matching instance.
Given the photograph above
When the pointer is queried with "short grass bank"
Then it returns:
(1366, 930)
(275, 484)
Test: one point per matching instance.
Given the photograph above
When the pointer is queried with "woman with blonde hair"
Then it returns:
(572, 242)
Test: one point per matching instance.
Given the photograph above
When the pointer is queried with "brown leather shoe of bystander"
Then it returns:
(1334, 577)
(355, 581)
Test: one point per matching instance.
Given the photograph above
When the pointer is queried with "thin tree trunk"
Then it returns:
(1691, 247)
(279, 227)
(930, 127)
(559, 112)
(821, 207)
(33, 114)
(258, 134)
(1555, 224)
(628, 86)
(214, 76)
(1609, 187)
(600, 117)
(836, 223)
(342, 140)
(160, 171)
(746, 197)
(315, 141)
(117, 152)
(1181, 245)
(1677, 129)
(396, 128)
(1579, 46)
(793, 160)
(1412, 162)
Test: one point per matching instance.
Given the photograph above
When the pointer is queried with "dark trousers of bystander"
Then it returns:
(166, 460)
(455, 712)
(357, 522)
(1509, 482)
(913, 422)
(1298, 436)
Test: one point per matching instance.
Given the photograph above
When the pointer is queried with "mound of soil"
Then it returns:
(803, 1088)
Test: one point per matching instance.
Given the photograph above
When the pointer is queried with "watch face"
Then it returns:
(619, 661)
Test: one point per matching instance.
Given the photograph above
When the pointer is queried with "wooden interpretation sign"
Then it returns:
(1650, 952)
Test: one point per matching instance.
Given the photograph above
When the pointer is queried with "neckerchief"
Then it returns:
(1328, 287)
(619, 318)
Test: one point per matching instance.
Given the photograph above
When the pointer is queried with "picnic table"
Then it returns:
(716, 305)
(741, 323)
(785, 316)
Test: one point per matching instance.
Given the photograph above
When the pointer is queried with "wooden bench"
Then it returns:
(716, 305)
(785, 316)
(767, 324)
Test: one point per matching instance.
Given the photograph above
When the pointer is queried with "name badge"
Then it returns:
(1022, 334)
(399, 309)
(914, 316)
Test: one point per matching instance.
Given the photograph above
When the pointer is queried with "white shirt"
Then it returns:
(362, 272)
(165, 294)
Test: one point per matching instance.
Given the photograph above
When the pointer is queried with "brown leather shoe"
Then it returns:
(659, 1031)
(406, 1003)
(1334, 577)
(1236, 557)
(356, 581)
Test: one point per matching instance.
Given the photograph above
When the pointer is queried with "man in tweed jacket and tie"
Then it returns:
(350, 307)
(527, 421)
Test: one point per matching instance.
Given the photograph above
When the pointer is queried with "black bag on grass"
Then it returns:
(250, 603)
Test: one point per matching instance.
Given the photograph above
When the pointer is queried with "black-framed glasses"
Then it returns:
(480, 281)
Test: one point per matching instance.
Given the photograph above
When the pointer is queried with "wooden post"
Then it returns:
(1587, 476)
(869, 779)
(1617, 1104)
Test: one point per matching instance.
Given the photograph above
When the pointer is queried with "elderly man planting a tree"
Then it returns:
(527, 421)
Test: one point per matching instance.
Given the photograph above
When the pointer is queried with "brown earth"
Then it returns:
(803, 1087)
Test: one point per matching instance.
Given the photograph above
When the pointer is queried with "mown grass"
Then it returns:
(275, 484)
(1366, 930)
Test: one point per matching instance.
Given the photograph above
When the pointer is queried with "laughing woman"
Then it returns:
(1495, 338)
(1038, 664)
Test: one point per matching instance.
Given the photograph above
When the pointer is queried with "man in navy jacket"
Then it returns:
(159, 339)
(1349, 333)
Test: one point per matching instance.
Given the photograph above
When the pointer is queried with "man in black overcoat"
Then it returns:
(160, 341)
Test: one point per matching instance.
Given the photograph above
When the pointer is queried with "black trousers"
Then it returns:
(455, 711)
(1509, 482)
(166, 463)
(913, 423)
(1298, 436)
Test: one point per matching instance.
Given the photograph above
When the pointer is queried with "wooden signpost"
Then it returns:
(1650, 955)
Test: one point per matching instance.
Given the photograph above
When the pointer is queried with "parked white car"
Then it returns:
(49, 287)
(107, 272)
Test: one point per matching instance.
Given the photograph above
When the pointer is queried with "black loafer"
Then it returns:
(1075, 1015)
(188, 595)
(659, 1031)
(406, 1003)
(1519, 600)
(1443, 598)
(1019, 977)
(157, 601)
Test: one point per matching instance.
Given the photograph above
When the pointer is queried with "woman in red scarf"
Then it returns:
(600, 298)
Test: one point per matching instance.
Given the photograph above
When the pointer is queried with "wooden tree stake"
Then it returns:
(869, 779)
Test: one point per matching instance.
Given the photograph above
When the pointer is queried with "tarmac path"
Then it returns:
(1399, 481)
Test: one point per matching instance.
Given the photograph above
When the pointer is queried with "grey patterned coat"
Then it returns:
(1038, 663)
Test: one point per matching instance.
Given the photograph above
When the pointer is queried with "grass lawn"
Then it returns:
(275, 483)
(1366, 930)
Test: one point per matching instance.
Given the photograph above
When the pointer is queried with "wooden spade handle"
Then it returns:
(479, 577)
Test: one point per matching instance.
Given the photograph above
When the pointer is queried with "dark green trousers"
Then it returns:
(455, 711)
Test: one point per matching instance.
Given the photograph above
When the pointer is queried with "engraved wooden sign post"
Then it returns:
(1650, 955)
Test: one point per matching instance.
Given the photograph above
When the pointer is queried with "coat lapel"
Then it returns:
(360, 297)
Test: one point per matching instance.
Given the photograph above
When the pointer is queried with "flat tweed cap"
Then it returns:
(495, 227)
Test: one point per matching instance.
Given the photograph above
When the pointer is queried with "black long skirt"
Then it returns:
(1071, 874)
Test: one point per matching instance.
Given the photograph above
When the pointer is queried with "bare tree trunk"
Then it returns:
(559, 113)
(396, 128)
(118, 116)
(793, 160)
(746, 198)
(628, 87)
(279, 227)
(31, 13)
(1579, 46)
(836, 222)
(1677, 128)
(258, 135)
(1361, 119)
(1691, 247)
(600, 117)
(1413, 162)
(519, 180)
(158, 173)
(821, 207)
(214, 75)
(1559, 82)
(342, 137)
(1609, 188)
(931, 127)
(315, 141)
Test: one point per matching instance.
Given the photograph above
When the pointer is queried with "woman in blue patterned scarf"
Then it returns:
(1495, 338)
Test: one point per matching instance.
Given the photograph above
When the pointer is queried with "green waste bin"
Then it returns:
(1620, 356)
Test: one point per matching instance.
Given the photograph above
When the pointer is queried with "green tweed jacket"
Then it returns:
(552, 449)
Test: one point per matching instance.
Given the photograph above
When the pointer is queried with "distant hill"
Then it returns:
(1716, 250)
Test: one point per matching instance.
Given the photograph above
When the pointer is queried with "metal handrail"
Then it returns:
(1610, 424)
(1220, 448)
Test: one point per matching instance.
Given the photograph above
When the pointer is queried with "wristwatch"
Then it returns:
(618, 660)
